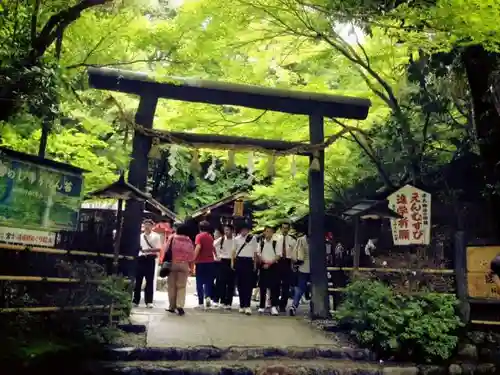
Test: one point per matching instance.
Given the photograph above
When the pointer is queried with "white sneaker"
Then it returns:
(149, 305)
(215, 305)
(135, 305)
(200, 307)
(248, 311)
(261, 310)
(274, 311)
(208, 302)
(241, 310)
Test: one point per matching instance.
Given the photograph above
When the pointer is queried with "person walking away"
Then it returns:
(225, 247)
(217, 270)
(164, 229)
(204, 254)
(368, 260)
(150, 243)
(269, 274)
(244, 258)
(301, 259)
(285, 244)
(182, 249)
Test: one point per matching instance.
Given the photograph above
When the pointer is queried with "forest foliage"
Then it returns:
(406, 56)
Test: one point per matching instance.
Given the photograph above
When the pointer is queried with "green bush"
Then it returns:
(26, 337)
(419, 327)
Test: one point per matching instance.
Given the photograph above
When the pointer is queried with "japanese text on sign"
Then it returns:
(479, 281)
(28, 237)
(413, 205)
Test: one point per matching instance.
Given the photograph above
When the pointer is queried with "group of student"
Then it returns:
(269, 262)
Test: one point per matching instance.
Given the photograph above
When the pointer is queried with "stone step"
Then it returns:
(207, 353)
(255, 367)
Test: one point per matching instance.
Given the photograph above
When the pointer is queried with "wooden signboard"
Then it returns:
(479, 285)
(238, 208)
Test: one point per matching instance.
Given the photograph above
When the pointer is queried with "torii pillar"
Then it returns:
(320, 301)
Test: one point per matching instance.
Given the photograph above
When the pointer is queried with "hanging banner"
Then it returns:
(414, 205)
(37, 196)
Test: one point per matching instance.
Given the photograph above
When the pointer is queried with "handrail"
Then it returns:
(409, 293)
(485, 322)
(49, 279)
(56, 308)
(48, 250)
(395, 270)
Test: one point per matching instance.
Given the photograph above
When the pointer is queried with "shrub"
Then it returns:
(29, 336)
(419, 327)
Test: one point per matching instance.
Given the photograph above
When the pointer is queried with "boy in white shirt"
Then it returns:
(150, 243)
(225, 248)
(244, 257)
(268, 271)
(285, 247)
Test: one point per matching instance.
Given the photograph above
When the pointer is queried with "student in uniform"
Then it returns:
(224, 247)
(301, 259)
(285, 247)
(268, 259)
(244, 263)
(150, 243)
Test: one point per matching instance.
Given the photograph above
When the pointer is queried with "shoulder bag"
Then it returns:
(166, 266)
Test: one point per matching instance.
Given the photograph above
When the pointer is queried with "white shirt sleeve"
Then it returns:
(217, 242)
(254, 245)
(156, 241)
(279, 245)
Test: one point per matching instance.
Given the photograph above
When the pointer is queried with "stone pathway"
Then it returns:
(223, 328)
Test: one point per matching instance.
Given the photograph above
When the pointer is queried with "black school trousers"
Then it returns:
(225, 283)
(284, 270)
(245, 279)
(269, 279)
(145, 270)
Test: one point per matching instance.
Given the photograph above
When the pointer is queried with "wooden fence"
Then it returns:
(468, 281)
(65, 277)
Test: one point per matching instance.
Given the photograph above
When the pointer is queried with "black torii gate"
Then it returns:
(316, 106)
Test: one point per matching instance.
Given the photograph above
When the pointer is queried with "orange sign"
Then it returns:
(479, 283)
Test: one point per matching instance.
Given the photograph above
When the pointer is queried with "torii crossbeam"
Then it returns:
(316, 106)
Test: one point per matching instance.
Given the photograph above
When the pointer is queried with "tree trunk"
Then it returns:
(480, 66)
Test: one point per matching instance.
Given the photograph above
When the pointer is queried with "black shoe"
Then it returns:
(180, 311)
(292, 311)
(170, 310)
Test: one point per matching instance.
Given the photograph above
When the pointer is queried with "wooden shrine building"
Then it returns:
(315, 106)
(225, 210)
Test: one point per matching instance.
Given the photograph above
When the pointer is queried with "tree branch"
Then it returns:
(383, 174)
(34, 19)
(50, 31)
(118, 63)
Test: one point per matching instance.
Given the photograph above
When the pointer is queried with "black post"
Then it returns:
(137, 176)
(460, 253)
(118, 237)
(357, 245)
(319, 279)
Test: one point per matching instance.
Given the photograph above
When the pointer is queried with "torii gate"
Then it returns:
(316, 106)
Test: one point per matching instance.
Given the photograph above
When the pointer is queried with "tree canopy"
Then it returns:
(412, 59)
